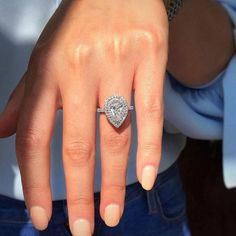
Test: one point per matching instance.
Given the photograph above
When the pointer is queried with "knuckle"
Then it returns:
(115, 188)
(151, 149)
(119, 166)
(43, 61)
(39, 57)
(112, 48)
(149, 42)
(78, 152)
(160, 39)
(148, 38)
(29, 139)
(35, 190)
(115, 141)
(79, 54)
(153, 111)
(144, 38)
(80, 200)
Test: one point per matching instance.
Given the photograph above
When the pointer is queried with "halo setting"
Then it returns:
(116, 110)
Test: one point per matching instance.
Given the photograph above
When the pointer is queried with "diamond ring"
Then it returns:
(116, 110)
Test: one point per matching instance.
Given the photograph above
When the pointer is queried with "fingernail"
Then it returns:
(148, 177)
(82, 228)
(112, 215)
(39, 217)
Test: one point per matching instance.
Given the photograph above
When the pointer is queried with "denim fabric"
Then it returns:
(159, 212)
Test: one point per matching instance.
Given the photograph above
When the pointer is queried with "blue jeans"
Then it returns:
(159, 212)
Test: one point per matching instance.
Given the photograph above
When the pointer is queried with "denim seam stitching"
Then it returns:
(164, 217)
(133, 199)
(152, 202)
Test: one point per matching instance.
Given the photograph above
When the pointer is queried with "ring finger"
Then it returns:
(115, 145)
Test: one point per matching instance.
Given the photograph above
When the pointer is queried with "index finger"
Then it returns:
(33, 137)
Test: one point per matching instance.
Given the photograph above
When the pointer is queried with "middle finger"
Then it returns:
(79, 121)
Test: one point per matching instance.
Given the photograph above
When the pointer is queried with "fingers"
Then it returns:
(79, 122)
(8, 118)
(149, 112)
(33, 136)
(115, 144)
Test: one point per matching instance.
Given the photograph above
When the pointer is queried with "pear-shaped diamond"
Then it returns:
(116, 110)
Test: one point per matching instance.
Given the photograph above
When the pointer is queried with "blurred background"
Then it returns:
(211, 207)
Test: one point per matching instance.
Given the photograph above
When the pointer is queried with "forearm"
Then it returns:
(201, 42)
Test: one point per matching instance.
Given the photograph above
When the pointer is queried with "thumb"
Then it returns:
(9, 116)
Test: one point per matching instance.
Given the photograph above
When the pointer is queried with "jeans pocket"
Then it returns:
(170, 197)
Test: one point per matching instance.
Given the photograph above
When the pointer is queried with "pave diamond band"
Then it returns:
(116, 110)
(101, 110)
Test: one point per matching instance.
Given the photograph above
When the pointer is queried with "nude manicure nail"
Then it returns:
(148, 177)
(82, 228)
(39, 217)
(112, 215)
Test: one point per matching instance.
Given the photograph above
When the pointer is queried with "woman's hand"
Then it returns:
(88, 51)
